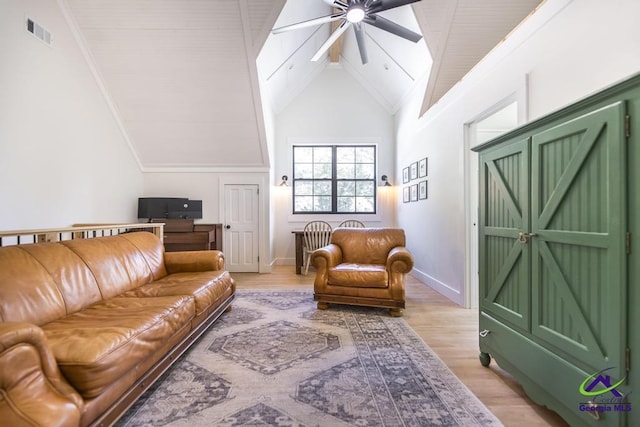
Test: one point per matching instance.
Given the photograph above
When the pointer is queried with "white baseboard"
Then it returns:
(438, 286)
(283, 261)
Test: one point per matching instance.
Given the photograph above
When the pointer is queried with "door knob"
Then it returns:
(227, 226)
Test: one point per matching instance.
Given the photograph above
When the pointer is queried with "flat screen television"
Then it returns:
(185, 209)
(169, 207)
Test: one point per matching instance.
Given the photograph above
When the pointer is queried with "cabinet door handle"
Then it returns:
(524, 237)
(485, 333)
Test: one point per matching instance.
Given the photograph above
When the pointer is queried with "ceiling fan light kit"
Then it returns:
(356, 13)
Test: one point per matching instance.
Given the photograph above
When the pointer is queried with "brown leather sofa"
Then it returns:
(363, 266)
(86, 325)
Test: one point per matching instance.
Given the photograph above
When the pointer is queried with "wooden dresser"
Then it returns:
(184, 235)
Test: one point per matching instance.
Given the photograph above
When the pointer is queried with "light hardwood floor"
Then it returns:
(452, 332)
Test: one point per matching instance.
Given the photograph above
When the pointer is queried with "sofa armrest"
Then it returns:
(399, 260)
(34, 392)
(191, 261)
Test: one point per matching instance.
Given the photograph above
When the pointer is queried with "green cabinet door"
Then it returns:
(504, 214)
(578, 261)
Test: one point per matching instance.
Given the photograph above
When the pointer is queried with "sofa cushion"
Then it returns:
(97, 345)
(115, 261)
(75, 282)
(28, 293)
(358, 275)
(151, 249)
(206, 287)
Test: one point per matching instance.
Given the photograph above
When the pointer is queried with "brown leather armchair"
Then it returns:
(363, 266)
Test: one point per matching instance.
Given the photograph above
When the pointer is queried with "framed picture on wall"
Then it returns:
(413, 173)
(422, 168)
(422, 190)
(414, 193)
(405, 175)
(405, 194)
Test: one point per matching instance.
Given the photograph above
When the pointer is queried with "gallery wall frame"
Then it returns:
(422, 168)
(405, 195)
(405, 175)
(422, 190)
(414, 192)
(413, 171)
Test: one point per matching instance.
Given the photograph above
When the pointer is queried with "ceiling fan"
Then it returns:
(356, 13)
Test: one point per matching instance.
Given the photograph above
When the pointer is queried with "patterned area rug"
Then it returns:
(275, 360)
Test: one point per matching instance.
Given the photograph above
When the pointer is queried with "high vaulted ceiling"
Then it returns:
(184, 79)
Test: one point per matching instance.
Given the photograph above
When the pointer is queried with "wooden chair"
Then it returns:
(351, 223)
(316, 235)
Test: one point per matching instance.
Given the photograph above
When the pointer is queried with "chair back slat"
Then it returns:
(352, 223)
(316, 235)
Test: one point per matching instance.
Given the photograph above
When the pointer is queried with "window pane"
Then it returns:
(303, 154)
(345, 155)
(322, 203)
(303, 204)
(346, 171)
(322, 188)
(365, 171)
(322, 155)
(365, 188)
(322, 171)
(303, 171)
(365, 204)
(365, 155)
(303, 188)
(346, 188)
(346, 204)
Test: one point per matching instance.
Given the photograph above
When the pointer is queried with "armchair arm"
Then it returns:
(190, 261)
(327, 256)
(33, 391)
(399, 260)
(323, 259)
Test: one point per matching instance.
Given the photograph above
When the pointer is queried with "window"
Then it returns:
(334, 179)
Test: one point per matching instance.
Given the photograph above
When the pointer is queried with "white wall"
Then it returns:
(567, 50)
(63, 158)
(334, 108)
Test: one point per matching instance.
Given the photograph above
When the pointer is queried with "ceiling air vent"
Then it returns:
(39, 31)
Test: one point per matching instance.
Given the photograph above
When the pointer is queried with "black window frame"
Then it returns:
(334, 180)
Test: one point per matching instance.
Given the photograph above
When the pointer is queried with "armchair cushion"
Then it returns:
(359, 275)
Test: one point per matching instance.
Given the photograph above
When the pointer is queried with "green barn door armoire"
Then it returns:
(554, 243)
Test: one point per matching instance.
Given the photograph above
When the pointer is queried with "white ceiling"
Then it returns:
(184, 80)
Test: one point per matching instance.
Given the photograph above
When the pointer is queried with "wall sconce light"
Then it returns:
(385, 179)
(284, 183)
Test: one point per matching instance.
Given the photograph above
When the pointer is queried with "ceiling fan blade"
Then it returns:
(334, 36)
(338, 3)
(309, 23)
(380, 5)
(393, 28)
(362, 47)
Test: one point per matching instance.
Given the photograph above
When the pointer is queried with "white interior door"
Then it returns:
(241, 227)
